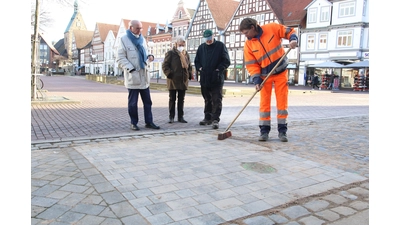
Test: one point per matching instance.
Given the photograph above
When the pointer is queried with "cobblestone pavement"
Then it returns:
(181, 174)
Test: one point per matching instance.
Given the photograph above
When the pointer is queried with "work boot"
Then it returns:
(283, 137)
(215, 124)
(205, 122)
(263, 137)
(181, 120)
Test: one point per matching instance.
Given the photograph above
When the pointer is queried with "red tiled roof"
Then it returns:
(290, 12)
(103, 29)
(82, 38)
(222, 11)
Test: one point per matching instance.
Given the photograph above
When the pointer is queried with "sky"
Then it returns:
(111, 12)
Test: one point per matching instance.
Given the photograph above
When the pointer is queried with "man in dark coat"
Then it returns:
(177, 68)
(211, 61)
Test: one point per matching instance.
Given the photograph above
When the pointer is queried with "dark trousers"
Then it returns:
(133, 105)
(172, 100)
(212, 102)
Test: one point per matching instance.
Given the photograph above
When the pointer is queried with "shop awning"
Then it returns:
(361, 64)
(329, 64)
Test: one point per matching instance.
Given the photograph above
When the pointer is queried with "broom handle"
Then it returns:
(261, 85)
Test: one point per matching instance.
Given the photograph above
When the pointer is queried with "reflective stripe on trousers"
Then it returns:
(281, 88)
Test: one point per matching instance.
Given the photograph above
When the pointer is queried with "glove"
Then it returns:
(257, 80)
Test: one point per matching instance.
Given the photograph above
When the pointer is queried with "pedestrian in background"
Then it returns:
(178, 70)
(315, 81)
(211, 60)
(132, 57)
(331, 79)
(262, 51)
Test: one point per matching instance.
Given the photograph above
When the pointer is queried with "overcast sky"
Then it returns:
(112, 12)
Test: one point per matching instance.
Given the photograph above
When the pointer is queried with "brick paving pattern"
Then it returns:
(89, 168)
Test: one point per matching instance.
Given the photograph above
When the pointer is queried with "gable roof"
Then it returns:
(51, 46)
(82, 38)
(290, 12)
(60, 46)
(103, 29)
(222, 11)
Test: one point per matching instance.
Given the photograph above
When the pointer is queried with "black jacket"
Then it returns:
(210, 58)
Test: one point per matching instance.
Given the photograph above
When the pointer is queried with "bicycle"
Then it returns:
(39, 86)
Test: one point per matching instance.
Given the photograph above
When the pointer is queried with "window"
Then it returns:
(345, 38)
(347, 9)
(180, 15)
(310, 42)
(232, 38)
(312, 15)
(325, 14)
(322, 41)
(239, 55)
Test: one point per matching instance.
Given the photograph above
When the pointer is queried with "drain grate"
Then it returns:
(258, 167)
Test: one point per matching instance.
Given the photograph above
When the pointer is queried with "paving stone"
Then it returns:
(316, 205)
(359, 191)
(346, 211)
(359, 205)
(335, 198)
(259, 220)
(71, 217)
(207, 219)
(312, 220)
(278, 218)
(54, 211)
(88, 209)
(111, 221)
(89, 219)
(328, 215)
(296, 211)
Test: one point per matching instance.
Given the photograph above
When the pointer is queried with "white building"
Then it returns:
(338, 31)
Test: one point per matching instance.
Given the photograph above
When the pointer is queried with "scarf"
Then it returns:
(184, 60)
(138, 42)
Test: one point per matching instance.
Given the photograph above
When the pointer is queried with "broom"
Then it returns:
(227, 133)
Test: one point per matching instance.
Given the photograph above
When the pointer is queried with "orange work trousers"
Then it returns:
(281, 86)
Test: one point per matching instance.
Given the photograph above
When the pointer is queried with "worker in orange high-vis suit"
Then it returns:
(262, 51)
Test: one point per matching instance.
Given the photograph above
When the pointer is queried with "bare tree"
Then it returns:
(40, 19)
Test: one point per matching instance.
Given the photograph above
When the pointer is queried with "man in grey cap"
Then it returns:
(211, 61)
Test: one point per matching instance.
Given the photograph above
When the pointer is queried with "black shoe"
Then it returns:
(263, 137)
(152, 126)
(215, 124)
(171, 120)
(181, 120)
(205, 122)
(283, 137)
(134, 127)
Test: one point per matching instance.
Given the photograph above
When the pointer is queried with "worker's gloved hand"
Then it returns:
(257, 80)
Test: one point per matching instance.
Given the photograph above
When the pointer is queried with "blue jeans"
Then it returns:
(133, 105)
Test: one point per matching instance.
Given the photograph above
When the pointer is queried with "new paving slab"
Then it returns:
(182, 174)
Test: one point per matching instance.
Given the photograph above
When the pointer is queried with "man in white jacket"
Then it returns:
(133, 58)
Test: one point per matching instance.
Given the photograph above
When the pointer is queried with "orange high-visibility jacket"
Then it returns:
(262, 52)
